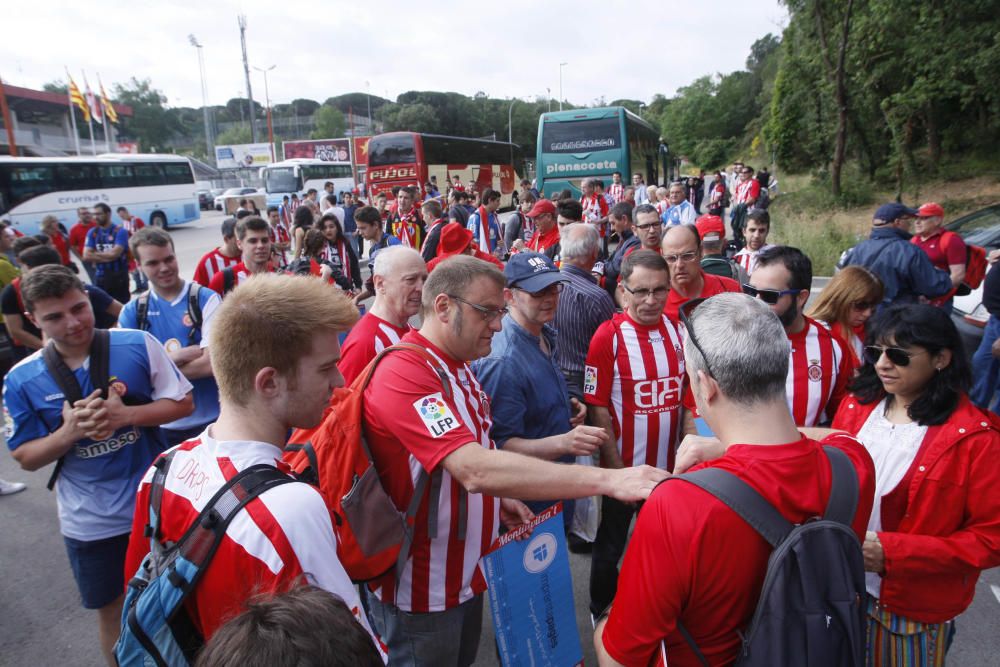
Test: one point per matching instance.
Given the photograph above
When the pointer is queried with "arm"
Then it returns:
(15, 327)
(579, 441)
(927, 280)
(102, 417)
(114, 308)
(193, 361)
(40, 452)
(957, 272)
(688, 426)
(600, 416)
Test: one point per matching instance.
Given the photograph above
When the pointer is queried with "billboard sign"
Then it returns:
(242, 156)
(328, 150)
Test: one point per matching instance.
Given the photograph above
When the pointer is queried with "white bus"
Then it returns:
(299, 175)
(159, 189)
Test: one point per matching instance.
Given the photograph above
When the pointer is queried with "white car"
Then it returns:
(220, 204)
(981, 228)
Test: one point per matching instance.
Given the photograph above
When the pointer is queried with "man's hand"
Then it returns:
(71, 418)
(696, 449)
(185, 355)
(517, 245)
(993, 256)
(102, 417)
(636, 483)
(579, 411)
(873, 553)
(514, 514)
(583, 440)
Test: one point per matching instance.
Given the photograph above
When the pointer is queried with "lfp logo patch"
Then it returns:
(590, 380)
(436, 414)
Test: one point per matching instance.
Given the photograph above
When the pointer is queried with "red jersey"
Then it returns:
(616, 191)
(712, 285)
(366, 339)
(714, 581)
(212, 262)
(637, 373)
(542, 242)
(132, 225)
(944, 249)
(819, 369)
(747, 191)
(62, 247)
(218, 282)
(280, 536)
(279, 234)
(412, 424)
(78, 235)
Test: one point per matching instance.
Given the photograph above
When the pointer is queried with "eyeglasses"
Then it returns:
(554, 288)
(863, 305)
(685, 312)
(643, 294)
(649, 224)
(682, 257)
(897, 356)
(768, 296)
(490, 315)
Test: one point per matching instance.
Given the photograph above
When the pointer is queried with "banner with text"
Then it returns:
(241, 156)
(328, 150)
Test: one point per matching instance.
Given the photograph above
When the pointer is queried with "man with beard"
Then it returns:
(818, 369)
(758, 226)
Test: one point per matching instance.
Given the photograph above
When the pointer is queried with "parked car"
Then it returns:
(232, 192)
(981, 228)
(206, 200)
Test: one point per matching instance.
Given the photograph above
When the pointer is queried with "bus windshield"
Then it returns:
(391, 149)
(581, 136)
(282, 179)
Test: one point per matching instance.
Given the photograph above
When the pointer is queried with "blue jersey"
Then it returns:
(170, 324)
(104, 239)
(474, 225)
(97, 485)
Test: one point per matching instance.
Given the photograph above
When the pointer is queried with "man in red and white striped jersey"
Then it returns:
(399, 274)
(253, 236)
(286, 533)
(633, 384)
(416, 420)
(227, 254)
(758, 226)
(819, 369)
(616, 191)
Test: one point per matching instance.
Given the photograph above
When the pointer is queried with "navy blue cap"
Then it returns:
(892, 212)
(531, 271)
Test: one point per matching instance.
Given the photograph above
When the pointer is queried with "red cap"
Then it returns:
(708, 224)
(541, 207)
(930, 210)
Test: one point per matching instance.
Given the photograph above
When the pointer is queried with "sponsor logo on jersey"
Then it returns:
(590, 380)
(109, 446)
(436, 415)
(656, 395)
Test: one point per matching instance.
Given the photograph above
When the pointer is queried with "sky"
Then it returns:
(320, 49)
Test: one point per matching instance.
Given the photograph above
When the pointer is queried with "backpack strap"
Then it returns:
(142, 312)
(194, 309)
(228, 280)
(843, 502)
(100, 352)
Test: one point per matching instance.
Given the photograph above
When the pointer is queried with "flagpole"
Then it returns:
(93, 146)
(72, 115)
(107, 137)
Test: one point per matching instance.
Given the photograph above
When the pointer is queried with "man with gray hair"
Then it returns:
(583, 305)
(398, 274)
(737, 360)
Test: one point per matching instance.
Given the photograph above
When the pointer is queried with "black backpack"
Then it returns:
(811, 607)
(228, 280)
(193, 311)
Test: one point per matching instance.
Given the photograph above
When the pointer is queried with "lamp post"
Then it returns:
(204, 96)
(242, 21)
(548, 94)
(368, 93)
(267, 101)
(510, 127)
(561, 65)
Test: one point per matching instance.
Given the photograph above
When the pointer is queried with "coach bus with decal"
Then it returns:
(412, 158)
(159, 189)
(299, 175)
(582, 143)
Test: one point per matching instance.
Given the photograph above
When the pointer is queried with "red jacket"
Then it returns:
(950, 530)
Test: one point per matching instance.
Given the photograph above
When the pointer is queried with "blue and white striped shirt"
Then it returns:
(583, 306)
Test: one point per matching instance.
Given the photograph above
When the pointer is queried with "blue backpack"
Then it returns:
(156, 630)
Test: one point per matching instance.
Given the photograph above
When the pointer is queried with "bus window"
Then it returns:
(149, 174)
(21, 183)
(326, 171)
(178, 173)
(77, 177)
(391, 149)
(282, 179)
(116, 176)
(581, 136)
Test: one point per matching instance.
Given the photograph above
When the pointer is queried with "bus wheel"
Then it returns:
(158, 220)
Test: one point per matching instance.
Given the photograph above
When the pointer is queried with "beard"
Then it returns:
(790, 314)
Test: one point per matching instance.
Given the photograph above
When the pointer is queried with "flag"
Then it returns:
(92, 102)
(109, 108)
(76, 97)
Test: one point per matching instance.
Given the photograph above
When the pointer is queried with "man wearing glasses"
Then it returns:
(681, 248)
(680, 210)
(420, 416)
(546, 237)
(818, 369)
(633, 383)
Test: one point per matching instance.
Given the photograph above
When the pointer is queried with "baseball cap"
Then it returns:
(710, 224)
(930, 210)
(541, 207)
(531, 271)
(892, 212)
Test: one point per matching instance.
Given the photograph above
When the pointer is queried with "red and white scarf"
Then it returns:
(484, 230)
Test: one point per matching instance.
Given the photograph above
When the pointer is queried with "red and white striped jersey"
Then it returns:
(747, 258)
(282, 535)
(279, 234)
(637, 372)
(365, 340)
(818, 372)
(616, 191)
(413, 424)
(747, 191)
(662, 206)
(213, 262)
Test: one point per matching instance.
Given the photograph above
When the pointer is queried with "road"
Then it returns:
(42, 623)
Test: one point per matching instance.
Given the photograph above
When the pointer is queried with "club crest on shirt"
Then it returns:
(590, 380)
(815, 371)
(172, 344)
(186, 320)
(436, 415)
(118, 386)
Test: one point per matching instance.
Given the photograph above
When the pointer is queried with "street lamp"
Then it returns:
(267, 101)
(510, 128)
(204, 95)
(368, 93)
(561, 65)
(548, 94)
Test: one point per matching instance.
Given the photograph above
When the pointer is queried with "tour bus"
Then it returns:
(412, 158)
(583, 143)
(299, 175)
(159, 189)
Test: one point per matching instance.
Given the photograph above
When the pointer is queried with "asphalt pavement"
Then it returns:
(42, 623)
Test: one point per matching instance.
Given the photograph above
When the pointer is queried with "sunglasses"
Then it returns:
(768, 296)
(861, 306)
(685, 311)
(897, 356)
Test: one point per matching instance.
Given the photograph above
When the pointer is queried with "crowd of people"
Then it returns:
(577, 351)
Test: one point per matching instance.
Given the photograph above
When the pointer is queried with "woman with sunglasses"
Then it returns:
(846, 304)
(936, 521)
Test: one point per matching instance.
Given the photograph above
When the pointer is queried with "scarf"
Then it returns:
(484, 230)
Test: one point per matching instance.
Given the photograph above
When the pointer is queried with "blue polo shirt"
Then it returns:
(528, 395)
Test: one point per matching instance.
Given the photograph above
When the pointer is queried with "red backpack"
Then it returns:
(975, 265)
(373, 537)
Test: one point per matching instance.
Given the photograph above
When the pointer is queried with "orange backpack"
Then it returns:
(373, 536)
(975, 265)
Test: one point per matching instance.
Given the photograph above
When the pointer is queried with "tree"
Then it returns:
(150, 123)
(57, 86)
(329, 123)
(239, 134)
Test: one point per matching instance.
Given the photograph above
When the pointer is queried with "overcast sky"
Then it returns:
(326, 48)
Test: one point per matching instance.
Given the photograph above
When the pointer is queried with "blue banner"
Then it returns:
(531, 594)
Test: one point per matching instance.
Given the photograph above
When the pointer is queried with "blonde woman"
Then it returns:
(846, 304)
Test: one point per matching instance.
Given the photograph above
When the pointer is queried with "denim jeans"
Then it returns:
(449, 637)
(986, 368)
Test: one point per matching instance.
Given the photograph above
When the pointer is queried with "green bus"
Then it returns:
(582, 143)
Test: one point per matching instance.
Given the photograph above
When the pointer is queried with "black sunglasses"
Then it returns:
(897, 356)
(768, 296)
(685, 311)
